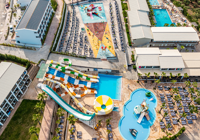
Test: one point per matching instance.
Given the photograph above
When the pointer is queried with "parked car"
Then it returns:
(7, 5)
(11, 28)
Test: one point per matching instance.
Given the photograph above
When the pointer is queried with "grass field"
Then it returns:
(18, 127)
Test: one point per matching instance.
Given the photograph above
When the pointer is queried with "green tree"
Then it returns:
(173, 82)
(71, 131)
(155, 75)
(157, 82)
(71, 119)
(178, 25)
(182, 47)
(34, 130)
(193, 109)
(163, 74)
(187, 83)
(161, 107)
(165, 115)
(14, 14)
(177, 98)
(39, 107)
(37, 117)
(139, 74)
(186, 75)
(55, 138)
(57, 130)
(166, 25)
(182, 115)
(194, 84)
(41, 96)
(60, 112)
(147, 75)
(172, 25)
(178, 75)
(108, 121)
(174, 90)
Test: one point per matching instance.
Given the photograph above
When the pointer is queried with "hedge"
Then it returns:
(175, 136)
(58, 31)
(6, 36)
(6, 57)
(151, 14)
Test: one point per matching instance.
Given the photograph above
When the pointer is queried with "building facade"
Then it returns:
(14, 82)
(32, 27)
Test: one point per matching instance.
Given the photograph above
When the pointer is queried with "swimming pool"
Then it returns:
(96, 19)
(162, 17)
(154, 2)
(110, 85)
(129, 120)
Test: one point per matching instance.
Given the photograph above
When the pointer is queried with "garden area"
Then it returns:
(191, 10)
(18, 127)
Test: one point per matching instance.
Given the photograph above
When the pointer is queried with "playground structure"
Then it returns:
(57, 74)
(92, 10)
(142, 109)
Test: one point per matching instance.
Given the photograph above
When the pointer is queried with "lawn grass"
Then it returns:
(18, 127)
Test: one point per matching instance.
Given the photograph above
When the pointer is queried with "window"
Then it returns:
(141, 67)
(37, 36)
(163, 69)
(171, 68)
(17, 36)
(18, 41)
(148, 67)
(179, 69)
(156, 67)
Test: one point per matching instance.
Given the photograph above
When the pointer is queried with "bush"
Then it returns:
(133, 57)
(134, 66)
(175, 136)
(195, 5)
(125, 13)
(54, 4)
(198, 2)
(198, 101)
(124, 6)
(6, 57)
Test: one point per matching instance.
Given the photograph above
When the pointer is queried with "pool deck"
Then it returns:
(155, 131)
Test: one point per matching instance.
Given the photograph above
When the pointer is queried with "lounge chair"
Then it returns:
(175, 122)
(194, 117)
(183, 122)
(162, 123)
(190, 122)
(188, 117)
(162, 126)
(170, 128)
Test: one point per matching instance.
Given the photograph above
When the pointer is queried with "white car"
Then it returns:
(11, 28)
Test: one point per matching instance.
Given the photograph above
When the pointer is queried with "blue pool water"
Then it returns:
(96, 19)
(162, 17)
(129, 119)
(110, 85)
(154, 2)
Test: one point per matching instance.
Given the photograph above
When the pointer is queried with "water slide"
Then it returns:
(65, 105)
(63, 68)
(141, 117)
(91, 15)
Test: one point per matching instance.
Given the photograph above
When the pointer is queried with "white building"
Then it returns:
(139, 22)
(174, 36)
(32, 26)
(14, 82)
(155, 60)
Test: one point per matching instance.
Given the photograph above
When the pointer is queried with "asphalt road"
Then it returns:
(2, 14)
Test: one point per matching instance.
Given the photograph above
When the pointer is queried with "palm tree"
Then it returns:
(37, 117)
(147, 75)
(173, 82)
(171, 75)
(57, 121)
(175, 90)
(193, 109)
(72, 119)
(156, 75)
(57, 130)
(39, 107)
(166, 25)
(184, 24)
(161, 107)
(177, 98)
(178, 25)
(139, 74)
(194, 84)
(108, 121)
(165, 114)
(178, 75)
(163, 74)
(187, 84)
(182, 115)
(60, 112)
(71, 131)
(198, 92)
(34, 130)
(55, 138)
(186, 75)
(182, 47)
(157, 82)
(41, 96)
(172, 25)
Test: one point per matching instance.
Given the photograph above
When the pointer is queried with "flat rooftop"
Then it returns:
(33, 15)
